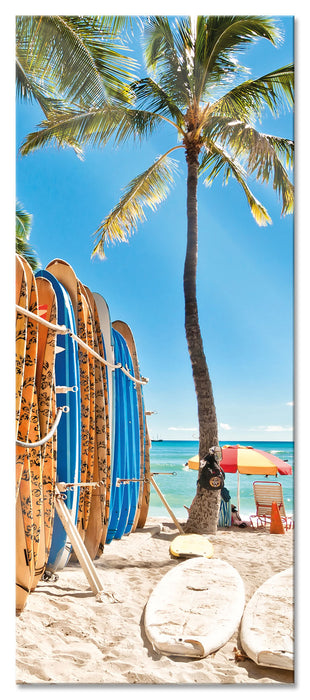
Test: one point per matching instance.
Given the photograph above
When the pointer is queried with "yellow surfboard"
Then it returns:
(191, 545)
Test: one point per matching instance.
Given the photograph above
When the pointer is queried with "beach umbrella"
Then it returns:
(245, 459)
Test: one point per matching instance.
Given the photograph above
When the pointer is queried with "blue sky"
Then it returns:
(245, 273)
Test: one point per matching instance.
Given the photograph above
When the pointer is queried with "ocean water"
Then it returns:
(179, 489)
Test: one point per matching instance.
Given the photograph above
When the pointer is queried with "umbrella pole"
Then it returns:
(238, 492)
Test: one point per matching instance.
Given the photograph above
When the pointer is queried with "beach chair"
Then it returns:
(266, 493)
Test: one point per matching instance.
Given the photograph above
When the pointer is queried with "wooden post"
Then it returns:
(77, 544)
(153, 482)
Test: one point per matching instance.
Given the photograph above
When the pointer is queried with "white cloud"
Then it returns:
(225, 426)
(277, 428)
(272, 428)
(192, 430)
(289, 403)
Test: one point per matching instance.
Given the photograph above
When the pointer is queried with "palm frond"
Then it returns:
(216, 160)
(73, 56)
(22, 234)
(93, 126)
(249, 98)
(262, 155)
(146, 190)
(151, 95)
(166, 55)
(221, 38)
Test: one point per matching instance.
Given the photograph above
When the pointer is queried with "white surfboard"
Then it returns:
(267, 624)
(195, 608)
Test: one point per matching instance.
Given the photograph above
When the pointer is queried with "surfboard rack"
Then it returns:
(78, 545)
(39, 443)
(161, 496)
(62, 330)
(157, 489)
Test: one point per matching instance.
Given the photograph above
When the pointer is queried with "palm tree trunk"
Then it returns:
(203, 513)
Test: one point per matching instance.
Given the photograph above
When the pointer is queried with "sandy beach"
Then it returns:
(66, 636)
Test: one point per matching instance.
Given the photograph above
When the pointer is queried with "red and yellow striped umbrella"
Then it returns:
(247, 460)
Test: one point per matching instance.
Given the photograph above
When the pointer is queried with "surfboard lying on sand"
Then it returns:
(267, 624)
(191, 545)
(195, 608)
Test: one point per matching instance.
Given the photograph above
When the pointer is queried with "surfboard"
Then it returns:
(146, 494)
(267, 630)
(133, 441)
(46, 392)
(118, 471)
(127, 334)
(21, 296)
(29, 494)
(68, 431)
(106, 346)
(126, 489)
(65, 274)
(195, 608)
(191, 545)
(97, 507)
(20, 355)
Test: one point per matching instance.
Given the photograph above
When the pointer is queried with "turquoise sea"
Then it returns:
(179, 489)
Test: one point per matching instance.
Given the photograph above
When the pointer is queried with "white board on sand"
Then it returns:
(195, 608)
(267, 624)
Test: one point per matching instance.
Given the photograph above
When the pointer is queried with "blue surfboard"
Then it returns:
(133, 452)
(69, 428)
(116, 494)
(126, 439)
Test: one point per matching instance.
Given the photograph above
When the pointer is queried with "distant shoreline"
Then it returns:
(229, 442)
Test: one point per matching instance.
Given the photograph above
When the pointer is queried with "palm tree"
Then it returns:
(193, 84)
(23, 229)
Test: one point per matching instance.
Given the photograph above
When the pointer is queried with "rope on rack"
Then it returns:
(62, 330)
(49, 435)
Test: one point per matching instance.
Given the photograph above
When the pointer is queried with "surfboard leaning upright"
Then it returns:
(127, 334)
(195, 608)
(268, 624)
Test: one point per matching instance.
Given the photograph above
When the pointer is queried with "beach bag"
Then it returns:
(212, 476)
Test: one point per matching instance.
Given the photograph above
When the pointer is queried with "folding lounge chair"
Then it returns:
(265, 493)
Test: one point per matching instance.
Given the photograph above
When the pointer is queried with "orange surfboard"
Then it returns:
(100, 498)
(45, 384)
(29, 498)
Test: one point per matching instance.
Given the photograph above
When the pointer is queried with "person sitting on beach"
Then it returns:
(235, 518)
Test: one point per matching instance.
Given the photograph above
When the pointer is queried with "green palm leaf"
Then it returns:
(93, 126)
(264, 156)
(216, 160)
(166, 55)
(248, 99)
(75, 58)
(23, 230)
(146, 190)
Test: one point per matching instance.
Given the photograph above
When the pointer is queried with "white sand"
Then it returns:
(65, 636)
